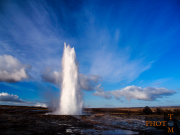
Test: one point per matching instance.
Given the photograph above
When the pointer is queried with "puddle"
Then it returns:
(69, 131)
(110, 131)
(107, 130)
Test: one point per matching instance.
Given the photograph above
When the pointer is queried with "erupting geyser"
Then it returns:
(71, 98)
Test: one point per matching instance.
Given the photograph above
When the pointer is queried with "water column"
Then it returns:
(71, 97)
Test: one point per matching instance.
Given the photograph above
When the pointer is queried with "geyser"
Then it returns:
(71, 97)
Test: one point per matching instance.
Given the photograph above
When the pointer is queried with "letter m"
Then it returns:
(170, 130)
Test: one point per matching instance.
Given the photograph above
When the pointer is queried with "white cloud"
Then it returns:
(12, 70)
(40, 105)
(106, 95)
(89, 82)
(134, 92)
(10, 99)
(7, 97)
(51, 76)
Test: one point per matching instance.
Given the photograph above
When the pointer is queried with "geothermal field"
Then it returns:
(23, 120)
(70, 117)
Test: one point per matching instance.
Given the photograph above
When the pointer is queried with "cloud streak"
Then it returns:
(117, 66)
(12, 70)
(138, 93)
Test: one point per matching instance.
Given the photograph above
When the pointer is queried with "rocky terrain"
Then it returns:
(18, 120)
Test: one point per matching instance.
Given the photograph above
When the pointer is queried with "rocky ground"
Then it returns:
(32, 121)
(16, 120)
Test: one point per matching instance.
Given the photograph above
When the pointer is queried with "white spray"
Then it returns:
(71, 97)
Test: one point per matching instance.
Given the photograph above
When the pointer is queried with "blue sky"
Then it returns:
(128, 51)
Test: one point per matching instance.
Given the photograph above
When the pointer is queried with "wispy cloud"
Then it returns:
(116, 67)
(134, 92)
(160, 81)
